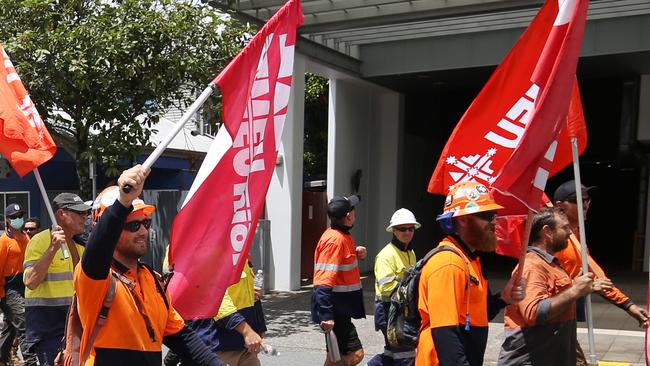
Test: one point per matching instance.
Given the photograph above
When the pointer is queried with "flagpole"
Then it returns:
(170, 136)
(583, 245)
(524, 243)
(64, 247)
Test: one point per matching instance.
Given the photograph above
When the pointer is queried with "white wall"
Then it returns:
(363, 134)
(284, 198)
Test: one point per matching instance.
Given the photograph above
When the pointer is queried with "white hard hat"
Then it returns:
(402, 217)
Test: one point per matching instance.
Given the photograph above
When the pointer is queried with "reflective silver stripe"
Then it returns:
(385, 280)
(335, 267)
(349, 288)
(62, 276)
(48, 301)
(399, 355)
(28, 264)
(382, 298)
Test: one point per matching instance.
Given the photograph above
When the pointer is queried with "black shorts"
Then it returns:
(346, 335)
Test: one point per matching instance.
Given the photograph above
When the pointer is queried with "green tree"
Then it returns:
(315, 138)
(101, 73)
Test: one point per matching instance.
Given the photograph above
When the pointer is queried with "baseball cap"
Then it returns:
(567, 190)
(339, 206)
(70, 201)
(13, 209)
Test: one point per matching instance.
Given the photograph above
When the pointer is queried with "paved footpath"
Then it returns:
(301, 344)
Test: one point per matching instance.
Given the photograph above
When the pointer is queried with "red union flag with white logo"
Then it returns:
(213, 231)
(520, 111)
(24, 140)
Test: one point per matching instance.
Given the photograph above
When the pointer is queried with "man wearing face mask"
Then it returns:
(390, 264)
(12, 252)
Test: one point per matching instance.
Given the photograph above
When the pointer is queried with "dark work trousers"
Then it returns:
(13, 308)
(392, 356)
(46, 350)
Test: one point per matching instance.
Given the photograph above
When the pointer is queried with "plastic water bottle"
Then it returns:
(269, 350)
(259, 280)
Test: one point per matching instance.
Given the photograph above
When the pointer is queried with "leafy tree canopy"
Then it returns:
(104, 63)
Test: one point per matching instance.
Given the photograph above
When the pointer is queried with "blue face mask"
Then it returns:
(17, 223)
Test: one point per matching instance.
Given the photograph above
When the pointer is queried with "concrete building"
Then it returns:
(401, 74)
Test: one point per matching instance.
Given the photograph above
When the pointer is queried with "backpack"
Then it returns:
(69, 354)
(403, 327)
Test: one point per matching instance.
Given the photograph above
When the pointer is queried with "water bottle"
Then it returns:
(269, 350)
(259, 280)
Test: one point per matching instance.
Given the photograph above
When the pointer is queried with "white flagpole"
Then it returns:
(583, 246)
(186, 117)
(170, 136)
(64, 247)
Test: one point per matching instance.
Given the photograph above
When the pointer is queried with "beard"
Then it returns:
(134, 247)
(481, 236)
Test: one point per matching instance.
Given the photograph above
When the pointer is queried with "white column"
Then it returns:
(284, 199)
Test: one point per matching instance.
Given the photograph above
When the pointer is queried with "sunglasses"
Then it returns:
(486, 215)
(405, 229)
(28, 229)
(80, 213)
(12, 217)
(134, 226)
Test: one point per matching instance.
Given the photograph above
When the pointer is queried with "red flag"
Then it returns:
(24, 140)
(492, 127)
(548, 95)
(213, 231)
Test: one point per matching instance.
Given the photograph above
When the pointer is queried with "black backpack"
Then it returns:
(403, 316)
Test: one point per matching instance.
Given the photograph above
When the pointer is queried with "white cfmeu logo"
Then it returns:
(249, 139)
(26, 106)
(511, 129)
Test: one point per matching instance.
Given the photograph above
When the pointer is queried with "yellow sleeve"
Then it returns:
(36, 248)
(385, 276)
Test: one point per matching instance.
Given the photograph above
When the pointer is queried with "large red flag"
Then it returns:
(548, 95)
(24, 140)
(213, 231)
(491, 128)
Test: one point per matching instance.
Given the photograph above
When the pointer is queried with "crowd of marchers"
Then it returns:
(73, 299)
(543, 299)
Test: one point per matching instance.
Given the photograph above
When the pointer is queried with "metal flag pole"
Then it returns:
(64, 247)
(583, 246)
(151, 159)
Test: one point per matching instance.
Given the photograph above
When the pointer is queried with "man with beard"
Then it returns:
(130, 329)
(454, 300)
(541, 329)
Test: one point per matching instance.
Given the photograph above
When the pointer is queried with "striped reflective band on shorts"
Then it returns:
(347, 288)
(399, 355)
(335, 267)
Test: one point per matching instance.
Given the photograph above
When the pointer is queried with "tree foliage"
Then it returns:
(103, 72)
(315, 138)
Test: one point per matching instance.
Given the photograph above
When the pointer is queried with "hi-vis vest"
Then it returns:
(57, 287)
(390, 264)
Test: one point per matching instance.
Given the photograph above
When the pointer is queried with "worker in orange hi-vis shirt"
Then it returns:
(571, 258)
(455, 302)
(338, 295)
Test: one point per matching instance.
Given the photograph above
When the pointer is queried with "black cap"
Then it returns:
(70, 201)
(13, 209)
(339, 206)
(567, 191)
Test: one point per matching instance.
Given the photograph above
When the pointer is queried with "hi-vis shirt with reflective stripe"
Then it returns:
(390, 264)
(57, 287)
(335, 263)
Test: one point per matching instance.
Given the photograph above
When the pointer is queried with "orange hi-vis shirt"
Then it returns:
(12, 255)
(571, 260)
(337, 282)
(124, 335)
(443, 307)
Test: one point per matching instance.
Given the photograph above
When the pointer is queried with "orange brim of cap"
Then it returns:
(147, 210)
(489, 207)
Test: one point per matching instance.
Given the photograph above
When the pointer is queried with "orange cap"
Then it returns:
(108, 196)
(466, 198)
